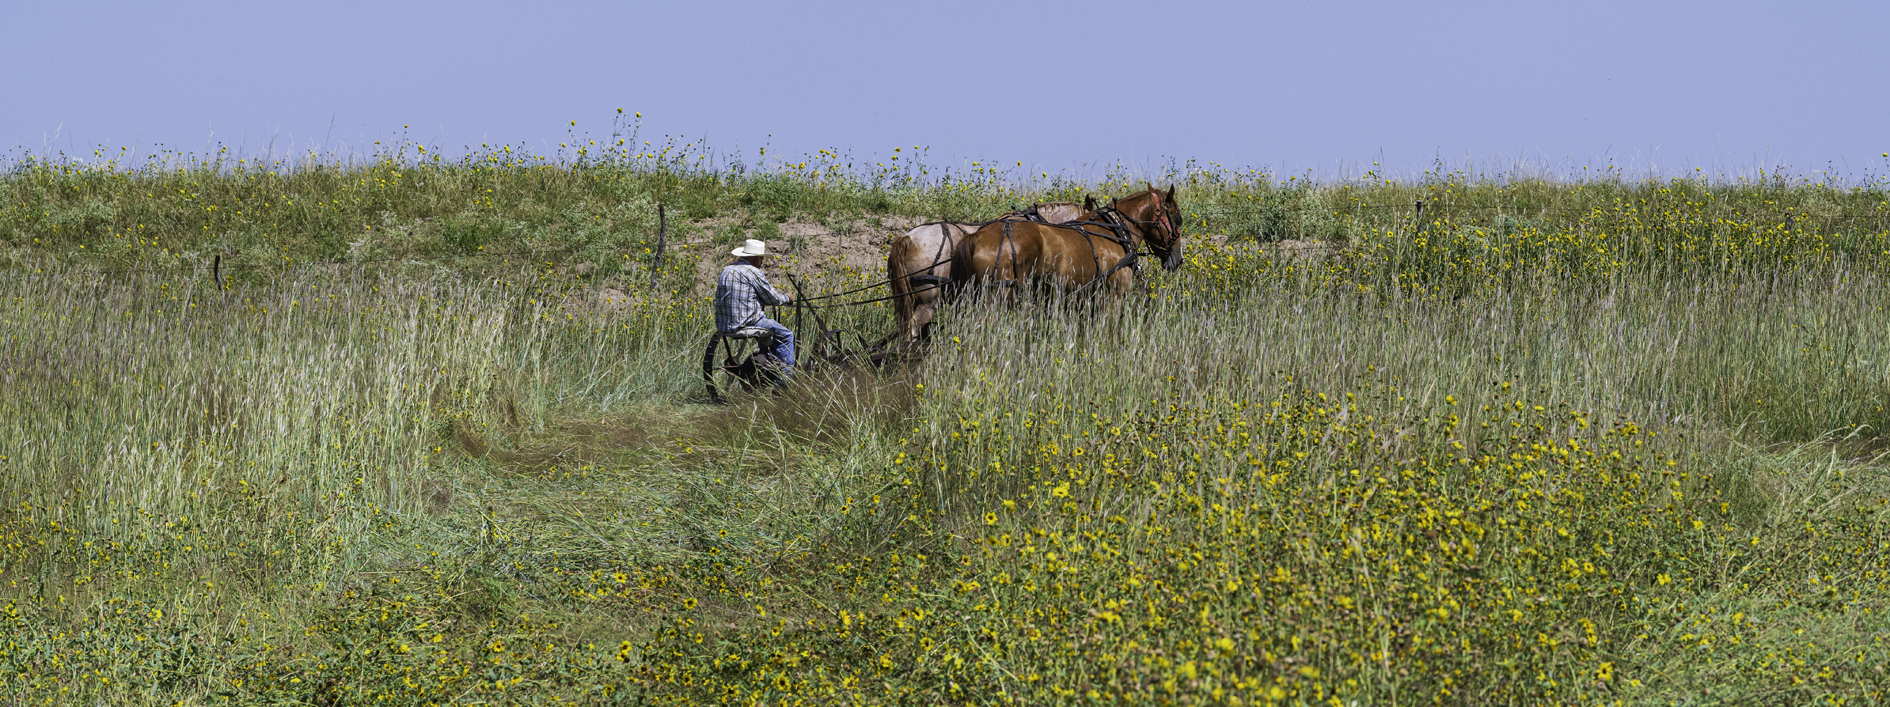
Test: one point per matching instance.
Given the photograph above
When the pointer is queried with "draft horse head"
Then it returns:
(1155, 217)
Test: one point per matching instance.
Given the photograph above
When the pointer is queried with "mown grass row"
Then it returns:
(1626, 452)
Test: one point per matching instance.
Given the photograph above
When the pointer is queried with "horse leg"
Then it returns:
(1016, 279)
(922, 319)
(909, 325)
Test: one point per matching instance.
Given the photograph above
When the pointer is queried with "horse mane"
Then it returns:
(1147, 190)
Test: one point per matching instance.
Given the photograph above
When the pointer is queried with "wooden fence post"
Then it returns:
(662, 238)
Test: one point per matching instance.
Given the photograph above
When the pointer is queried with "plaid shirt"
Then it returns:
(740, 291)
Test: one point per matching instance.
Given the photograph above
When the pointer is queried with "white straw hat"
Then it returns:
(751, 248)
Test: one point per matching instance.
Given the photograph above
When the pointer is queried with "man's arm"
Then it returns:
(765, 291)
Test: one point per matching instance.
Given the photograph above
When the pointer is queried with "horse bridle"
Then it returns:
(1162, 217)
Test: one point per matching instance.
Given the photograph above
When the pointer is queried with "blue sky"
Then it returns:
(1330, 87)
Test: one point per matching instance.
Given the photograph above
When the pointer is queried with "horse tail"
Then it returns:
(964, 257)
(898, 270)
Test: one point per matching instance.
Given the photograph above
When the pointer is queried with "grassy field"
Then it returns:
(365, 434)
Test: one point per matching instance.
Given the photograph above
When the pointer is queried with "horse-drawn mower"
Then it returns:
(739, 360)
(1079, 248)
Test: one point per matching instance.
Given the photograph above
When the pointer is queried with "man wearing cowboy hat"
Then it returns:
(741, 290)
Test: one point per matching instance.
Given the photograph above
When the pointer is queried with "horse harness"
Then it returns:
(1121, 230)
(1113, 220)
(1119, 233)
(945, 236)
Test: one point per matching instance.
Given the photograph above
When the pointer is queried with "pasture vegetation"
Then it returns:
(1588, 441)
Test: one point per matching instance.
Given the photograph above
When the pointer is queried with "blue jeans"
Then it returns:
(781, 345)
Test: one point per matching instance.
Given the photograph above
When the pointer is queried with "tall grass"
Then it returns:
(1547, 443)
(1242, 489)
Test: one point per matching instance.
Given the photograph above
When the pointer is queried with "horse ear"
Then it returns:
(1089, 202)
(1171, 192)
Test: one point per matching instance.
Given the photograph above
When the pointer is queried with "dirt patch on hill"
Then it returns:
(819, 253)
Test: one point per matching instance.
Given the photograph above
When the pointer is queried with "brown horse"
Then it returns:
(920, 263)
(1100, 251)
